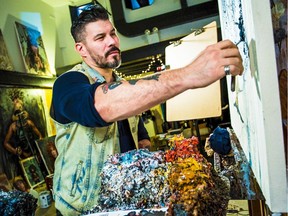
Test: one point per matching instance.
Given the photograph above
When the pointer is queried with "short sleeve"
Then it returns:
(73, 100)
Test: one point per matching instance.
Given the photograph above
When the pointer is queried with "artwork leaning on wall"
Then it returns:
(24, 118)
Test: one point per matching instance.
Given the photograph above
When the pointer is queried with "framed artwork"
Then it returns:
(32, 50)
(32, 171)
(48, 152)
(5, 61)
(31, 95)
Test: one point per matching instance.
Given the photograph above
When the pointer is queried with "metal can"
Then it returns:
(45, 199)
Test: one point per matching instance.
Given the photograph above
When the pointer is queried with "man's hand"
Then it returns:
(212, 63)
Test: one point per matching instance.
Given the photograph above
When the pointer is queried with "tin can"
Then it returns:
(45, 199)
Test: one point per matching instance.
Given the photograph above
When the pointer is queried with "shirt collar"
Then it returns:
(96, 76)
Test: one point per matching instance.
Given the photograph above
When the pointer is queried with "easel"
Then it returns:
(193, 104)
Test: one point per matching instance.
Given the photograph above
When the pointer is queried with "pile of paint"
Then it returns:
(180, 179)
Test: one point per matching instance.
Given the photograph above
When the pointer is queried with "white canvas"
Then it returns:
(255, 104)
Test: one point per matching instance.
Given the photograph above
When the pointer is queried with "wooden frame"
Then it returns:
(48, 152)
(32, 171)
(13, 78)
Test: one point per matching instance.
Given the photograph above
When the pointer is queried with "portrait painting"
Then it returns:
(32, 171)
(24, 118)
(32, 49)
(48, 152)
(5, 61)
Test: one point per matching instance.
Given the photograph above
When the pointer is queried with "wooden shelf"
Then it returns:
(14, 78)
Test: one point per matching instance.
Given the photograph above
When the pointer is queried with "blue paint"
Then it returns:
(249, 142)
(246, 178)
(67, 136)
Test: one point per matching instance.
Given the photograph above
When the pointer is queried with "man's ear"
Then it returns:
(80, 48)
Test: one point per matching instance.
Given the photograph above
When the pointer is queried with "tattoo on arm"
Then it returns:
(153, 77)
(113, 85)
(110, 86)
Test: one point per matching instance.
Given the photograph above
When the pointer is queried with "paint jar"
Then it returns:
(45, 199)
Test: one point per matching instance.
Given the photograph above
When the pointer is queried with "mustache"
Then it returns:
(111, 50)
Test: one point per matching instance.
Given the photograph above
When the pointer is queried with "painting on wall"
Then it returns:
(33, 51)
(5, 61)
(48, 152)
(256, 122)
(32, 172)
(24, 117)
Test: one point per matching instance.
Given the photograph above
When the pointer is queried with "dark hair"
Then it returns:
(88, 15)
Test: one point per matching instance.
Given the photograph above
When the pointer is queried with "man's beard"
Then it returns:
(112, 64)
(102, 63)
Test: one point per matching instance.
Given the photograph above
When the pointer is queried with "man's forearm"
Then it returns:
(120, 100)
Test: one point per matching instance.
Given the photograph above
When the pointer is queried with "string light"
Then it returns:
(155, 61)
